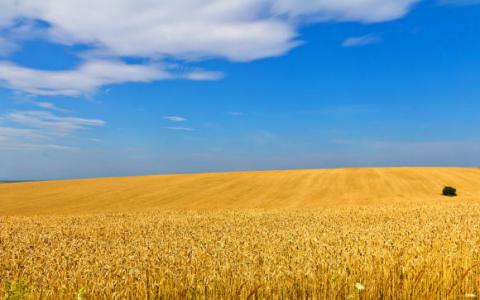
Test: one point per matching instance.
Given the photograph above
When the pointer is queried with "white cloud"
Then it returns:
(188, 29)
(8, 132)
(199, 75)
(37, 129)
(90, 76)
(180, 128)
(12, 138)
(85, 79)
(175, 118)
(182, 30)
(53, 123)
(50, 106)
(234, 29)
(361, 41)
(368, 11)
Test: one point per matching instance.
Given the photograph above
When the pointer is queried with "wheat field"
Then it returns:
(268, 189)
(308, 234)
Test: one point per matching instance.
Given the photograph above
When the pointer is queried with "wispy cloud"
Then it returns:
(52, 123)
(180, 128)
(10, 132)
(83, 80)
(175, 118)
(361, 41)
(50, 106)
(41, 129)
(12, 138)
(202, 75)
(87, 78)
(234, 113)
(7, 46)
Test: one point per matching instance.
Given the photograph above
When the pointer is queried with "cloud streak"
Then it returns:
(361, 41)
(85, 79)
(50, 106)
(52, 123)
(180, 128)
(37, 129)
(90, 76)
(175, 118)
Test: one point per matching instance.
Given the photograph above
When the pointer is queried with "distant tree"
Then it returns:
(449, 191)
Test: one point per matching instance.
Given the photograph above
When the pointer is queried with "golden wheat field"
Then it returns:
(268, 189)
(308, 234)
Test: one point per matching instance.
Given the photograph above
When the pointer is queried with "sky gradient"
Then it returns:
(197, 86)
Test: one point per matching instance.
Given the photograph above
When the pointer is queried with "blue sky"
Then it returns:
(197, 86)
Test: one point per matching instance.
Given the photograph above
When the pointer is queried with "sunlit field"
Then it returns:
(371, 249)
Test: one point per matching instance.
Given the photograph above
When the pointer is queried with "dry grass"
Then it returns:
(407, 249)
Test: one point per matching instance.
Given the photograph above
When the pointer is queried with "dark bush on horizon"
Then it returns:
(449, 191)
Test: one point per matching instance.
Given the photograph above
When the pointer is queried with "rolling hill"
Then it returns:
(262, 189)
